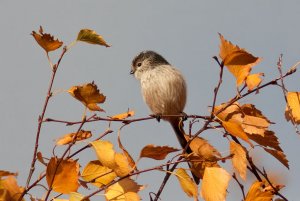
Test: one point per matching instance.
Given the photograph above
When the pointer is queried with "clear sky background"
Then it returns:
(184, 32)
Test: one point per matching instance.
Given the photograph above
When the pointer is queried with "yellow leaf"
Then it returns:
(231, 112)
(236, 130)
(122, 167)
(239, 160)
(105, 153)
(238, 61)
(156, 152)
(123, 115)
(76, 197)
(126, 153)
(46, 41)
(89, 95)
(279, 155)
(65, 176)
(214, 184)
(293, 101)
(68, 138)
(9, 189)
(253, 81)
(124, 190)
(186, 183)
(98, 174)
(90, 36)
(257, 192)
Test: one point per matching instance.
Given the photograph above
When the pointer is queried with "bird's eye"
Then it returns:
(139, 64)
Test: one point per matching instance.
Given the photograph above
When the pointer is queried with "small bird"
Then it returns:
(163, 89)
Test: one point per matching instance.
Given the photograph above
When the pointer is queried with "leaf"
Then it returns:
(68, 138)
(214, 184)
(65, 175)
(293, 104)
(105, 152)
(253, 80)
(40, 158)
(156, 152)
(239, 160)
(126, 153)
(46, 41)
(124, 190)
(76, 197)
(279, 155)
(89, 95)
(269, 139)
(97, 174)
(258, 193)
(9, 189)
(186, 183)
(123, 115)
(122, 167)
(90, 36)
(4, 173)
(238, 61)
(236, 130)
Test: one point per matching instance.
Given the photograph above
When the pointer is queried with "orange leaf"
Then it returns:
(239, 159)
(156, 152)
(236, 130)
(9, 189)
(65, 175)
(253, 81)
(214, 184)
(68, 138)
(279, 155)
(238, 61)
(123, 115)
(89, 95)
(258, 192)
(40, 158)
(293, 101)
(90, 36)
(46, 41)
(4, 173)
(98, 174)
(186, 183)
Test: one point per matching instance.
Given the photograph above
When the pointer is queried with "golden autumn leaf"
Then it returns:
(74, 196)
(46, 41)
(186, 183)
(239, 160)
(9, 189)
(253, 80)
(122, 167)
(90, 36)
(238, 61)
(269, 139)
(123, 115)
(279, 155)
(68, 138)
(105, 152)
(236, 130)
(4, 173)
(97, 174)
(293, 101)
(89, 95)
(258, 193)
(124, 190)
(214, 184)
(156, 152)
(65, 176)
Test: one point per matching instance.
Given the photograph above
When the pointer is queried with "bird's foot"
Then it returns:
(156, 116)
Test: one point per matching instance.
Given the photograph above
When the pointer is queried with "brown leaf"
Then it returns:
(253, 80)
(123, 115)
(40, 158)
(89, 95)
(46, 41)
(293, 101)
(4, 173)
(156, 152)
(269, 139)
(238, 61)
(97, 174)
(279, 155)
(239, 160)
(186, 183)
(90, 36)
(68, 138)
(214, 184)
(65, 175)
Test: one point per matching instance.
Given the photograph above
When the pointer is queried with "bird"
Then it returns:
(164, 90)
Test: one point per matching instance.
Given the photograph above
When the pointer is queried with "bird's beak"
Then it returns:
(131, 72)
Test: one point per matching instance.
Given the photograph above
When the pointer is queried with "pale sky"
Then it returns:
(184, 32)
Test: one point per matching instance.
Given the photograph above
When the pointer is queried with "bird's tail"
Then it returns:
(178, 128)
